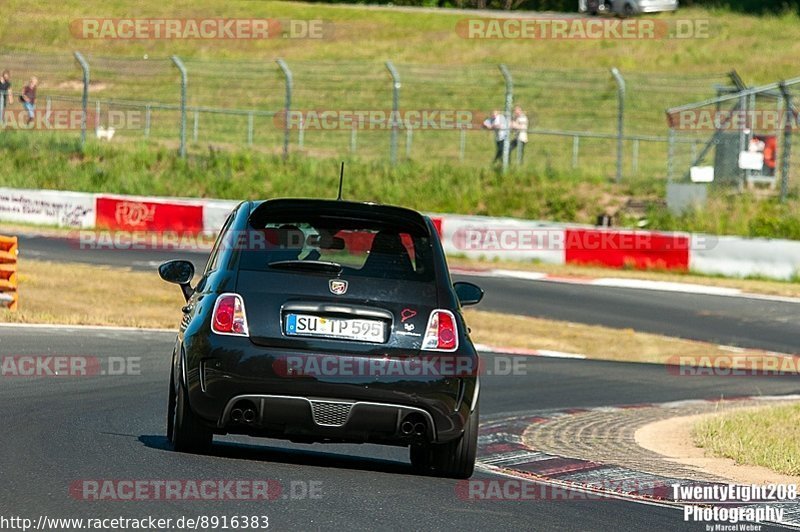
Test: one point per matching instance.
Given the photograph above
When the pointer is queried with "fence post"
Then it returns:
(789, 117)
(395, 110)
(620, 118)
(353, 138)
(576, 147)
(250, 128)
(147, 112)
(301, 133)
(635, 162)
(462, 143)
(509, 101)
(85, 98)
(184, 81)
(287, 105)
(409, 138)
(196, 125)
(671, 154)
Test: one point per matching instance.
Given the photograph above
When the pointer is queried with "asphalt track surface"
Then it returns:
(751, 323)
(59, 430)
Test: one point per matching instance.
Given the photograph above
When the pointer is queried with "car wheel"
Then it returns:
(186, 433)
(455, 459)
(171, 407)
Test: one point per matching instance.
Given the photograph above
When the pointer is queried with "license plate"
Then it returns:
(348, 329)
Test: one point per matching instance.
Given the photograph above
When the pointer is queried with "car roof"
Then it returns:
(264, 209)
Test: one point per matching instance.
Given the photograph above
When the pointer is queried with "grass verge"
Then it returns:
(77, 294)
(767, 437)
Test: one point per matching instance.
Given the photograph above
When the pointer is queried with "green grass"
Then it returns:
(147, 168)
(768, 437)
(562, 84)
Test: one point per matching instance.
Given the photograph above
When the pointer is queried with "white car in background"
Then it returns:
(626, 7)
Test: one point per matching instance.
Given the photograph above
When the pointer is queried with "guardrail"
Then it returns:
(9, 298)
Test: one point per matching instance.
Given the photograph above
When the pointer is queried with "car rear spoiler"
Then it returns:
(310, 210)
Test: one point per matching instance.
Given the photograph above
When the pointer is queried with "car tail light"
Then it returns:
(441, 333)
(229, 316)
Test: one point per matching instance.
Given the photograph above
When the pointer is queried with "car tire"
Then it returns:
(185, 431)
(455, 459)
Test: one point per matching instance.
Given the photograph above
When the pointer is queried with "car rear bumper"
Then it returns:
(233, 370)
(316, 418)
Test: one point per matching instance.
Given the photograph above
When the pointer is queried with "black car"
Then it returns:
(327, 321)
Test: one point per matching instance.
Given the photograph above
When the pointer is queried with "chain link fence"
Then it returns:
(365, 109)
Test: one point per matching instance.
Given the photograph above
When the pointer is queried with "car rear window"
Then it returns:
(363, 248)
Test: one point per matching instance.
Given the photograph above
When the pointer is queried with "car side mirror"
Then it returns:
(468, 293)
(179, 272)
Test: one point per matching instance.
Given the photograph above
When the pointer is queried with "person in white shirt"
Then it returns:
(497, 122)
(519, 125)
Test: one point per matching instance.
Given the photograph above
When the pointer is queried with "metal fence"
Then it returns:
(581, 121)
(749, 134)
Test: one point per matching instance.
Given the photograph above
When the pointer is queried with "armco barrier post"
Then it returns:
(85, 98)
(620, 118)
(287, 105)
(789, 119)
(8, 272)
(184, 76)
(395, 110)
(509, 101)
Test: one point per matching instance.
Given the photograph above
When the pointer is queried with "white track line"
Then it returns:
(86, 327)
(621, 282)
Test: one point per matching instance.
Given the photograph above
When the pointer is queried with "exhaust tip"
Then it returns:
(407, 428)
(419, 429)
(249, 415)
(236, 415)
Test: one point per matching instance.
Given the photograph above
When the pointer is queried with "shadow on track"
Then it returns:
(283, 455)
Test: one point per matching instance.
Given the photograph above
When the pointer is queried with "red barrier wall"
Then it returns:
(132, 215)
(637, 249)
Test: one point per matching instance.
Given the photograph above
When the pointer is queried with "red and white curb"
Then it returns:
(546, 353)
(502, 451)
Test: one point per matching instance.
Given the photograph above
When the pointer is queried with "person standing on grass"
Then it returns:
(497, 122)
(28, 98)
(5, 88)
(519, 125)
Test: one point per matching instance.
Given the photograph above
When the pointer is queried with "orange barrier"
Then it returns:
(8, 272)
